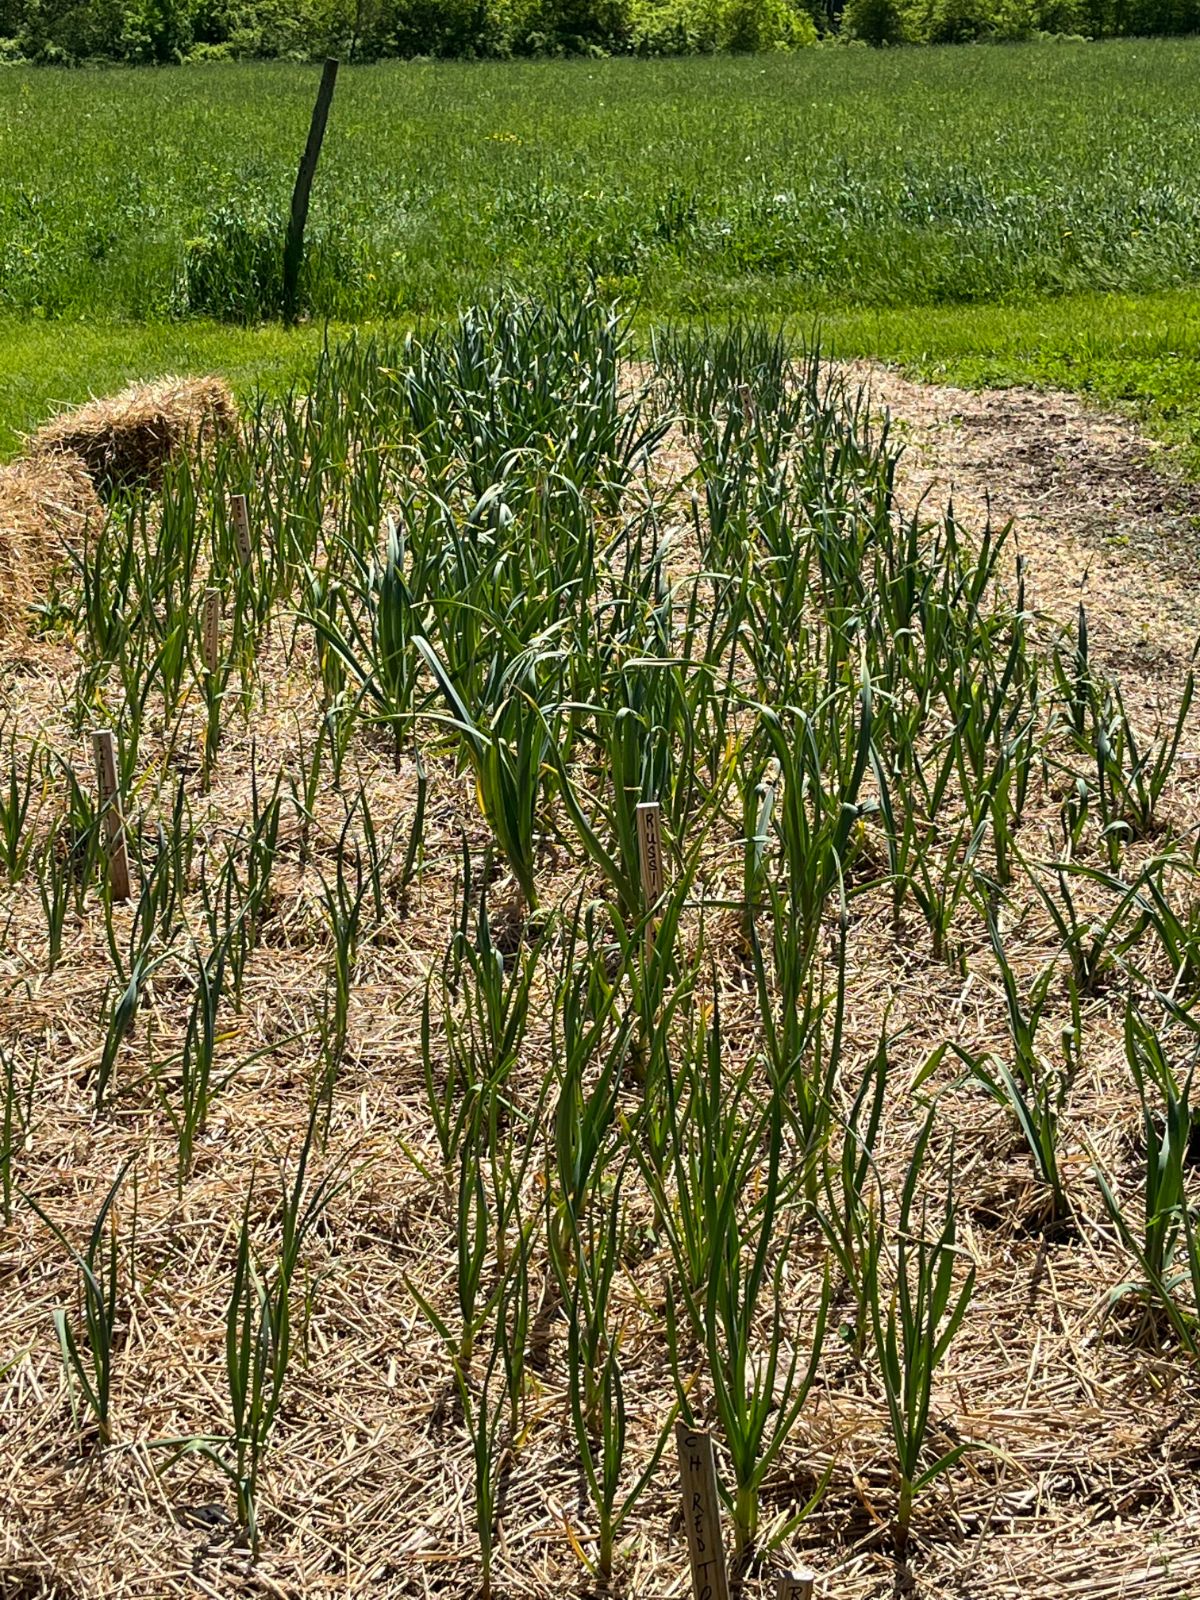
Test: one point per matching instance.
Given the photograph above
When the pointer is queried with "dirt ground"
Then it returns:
(1100, 515)
(1088, 1484)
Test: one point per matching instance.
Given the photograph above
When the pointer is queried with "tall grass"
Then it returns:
(763, 181)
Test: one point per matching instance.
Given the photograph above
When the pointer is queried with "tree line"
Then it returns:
(66, 32)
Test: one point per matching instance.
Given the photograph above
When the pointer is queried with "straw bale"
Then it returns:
(129, 437)
(45, 501)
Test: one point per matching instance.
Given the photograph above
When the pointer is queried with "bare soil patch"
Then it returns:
(1101, 517)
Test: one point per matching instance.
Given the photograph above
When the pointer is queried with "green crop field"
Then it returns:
(387, 1173)
(898, 196)
(828, 179)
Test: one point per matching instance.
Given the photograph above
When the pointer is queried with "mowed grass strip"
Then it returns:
(1140, 352)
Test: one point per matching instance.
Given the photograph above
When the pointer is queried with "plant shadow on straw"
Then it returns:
(259, 1344)
(89, 1371)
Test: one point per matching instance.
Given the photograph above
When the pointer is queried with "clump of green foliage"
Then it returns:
(233, 266)
(63, 31)
(884, 22)
(684, 27)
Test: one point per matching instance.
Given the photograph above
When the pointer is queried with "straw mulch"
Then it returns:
(1097, 510)
(45, 501)
(129, 437)
(1086, 1482)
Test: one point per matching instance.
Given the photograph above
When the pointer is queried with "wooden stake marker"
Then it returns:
(212, 628)
(241, 528)
(795, 1586)
(701, 1513)
(650, 858)
(104, 753)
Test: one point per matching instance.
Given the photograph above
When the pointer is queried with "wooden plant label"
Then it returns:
(795, 1586)
(241, 528)
(104, 752)
(701, 1513)
(650, 858)
(212, 628)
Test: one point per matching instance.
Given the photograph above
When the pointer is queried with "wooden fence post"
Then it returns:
(293, 250)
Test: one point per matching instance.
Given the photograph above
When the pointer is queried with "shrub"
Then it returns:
(1061, 18)
(66, 31)
(555, 27)
(764, 25)
(462, 28)
(673, 27)
(878, 22)
(965, 21)
(59, 31)
(233, 268)
(681, 27)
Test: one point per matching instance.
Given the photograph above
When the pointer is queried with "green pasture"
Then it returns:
(1023, 213)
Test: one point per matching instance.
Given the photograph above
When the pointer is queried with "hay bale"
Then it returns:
(129, 437)
(45, 502)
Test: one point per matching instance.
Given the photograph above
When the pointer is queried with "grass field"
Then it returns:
(828, 179)
(959, 210)
(1140, 352)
